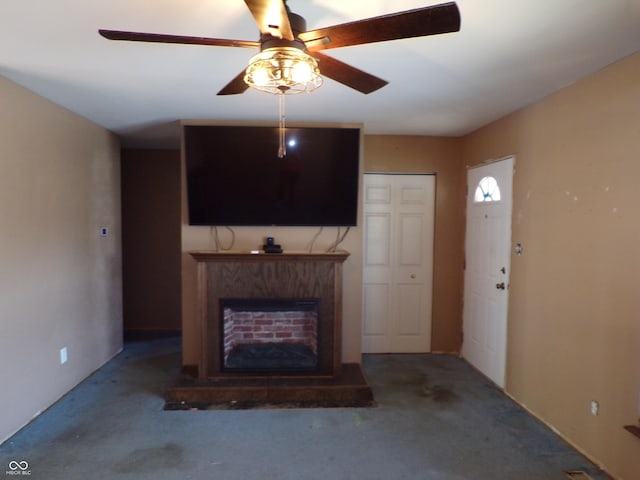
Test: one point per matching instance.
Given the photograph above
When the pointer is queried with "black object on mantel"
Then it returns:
(271, 247)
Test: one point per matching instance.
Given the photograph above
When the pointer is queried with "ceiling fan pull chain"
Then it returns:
(282, 148)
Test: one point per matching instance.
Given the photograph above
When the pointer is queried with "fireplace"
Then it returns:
(270, 329)
(290, 283)
(269, 336)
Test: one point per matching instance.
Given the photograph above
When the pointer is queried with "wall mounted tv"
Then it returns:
(235, 178)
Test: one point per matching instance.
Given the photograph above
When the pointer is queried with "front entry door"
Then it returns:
(398, 262)
(486, 278)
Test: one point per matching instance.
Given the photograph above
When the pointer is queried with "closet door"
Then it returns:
(398, 262)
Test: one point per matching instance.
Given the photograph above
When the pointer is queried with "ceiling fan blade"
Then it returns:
(348, 75)
(271, 17)
(433, 20)
(161, 38)
(235, 86)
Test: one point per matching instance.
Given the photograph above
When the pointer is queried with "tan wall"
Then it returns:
(574, 333)
(250, 238)
(151, 260)
(60, 283)
(410, 154)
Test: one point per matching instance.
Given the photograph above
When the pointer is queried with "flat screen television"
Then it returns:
(235, 178)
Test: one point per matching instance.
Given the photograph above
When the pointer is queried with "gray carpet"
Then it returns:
(436, 418)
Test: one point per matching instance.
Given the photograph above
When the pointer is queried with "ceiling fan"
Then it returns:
(292, 54)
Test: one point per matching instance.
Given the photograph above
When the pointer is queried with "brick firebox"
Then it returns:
(253, 327)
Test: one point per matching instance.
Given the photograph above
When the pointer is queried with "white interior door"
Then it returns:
(486, 278)
(398, 262)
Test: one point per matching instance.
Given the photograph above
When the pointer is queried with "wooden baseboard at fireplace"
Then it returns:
(348, 389)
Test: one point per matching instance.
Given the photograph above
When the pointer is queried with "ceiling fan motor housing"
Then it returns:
(298, 25)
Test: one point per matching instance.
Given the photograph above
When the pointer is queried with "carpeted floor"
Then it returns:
(435, 418)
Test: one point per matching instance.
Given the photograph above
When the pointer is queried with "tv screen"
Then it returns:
(235, 177)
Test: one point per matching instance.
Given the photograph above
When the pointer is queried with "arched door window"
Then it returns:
(487, 191)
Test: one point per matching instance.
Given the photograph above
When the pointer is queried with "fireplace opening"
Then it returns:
(269, 336)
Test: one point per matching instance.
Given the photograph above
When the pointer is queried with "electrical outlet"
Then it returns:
(63, 355)
(595, 406)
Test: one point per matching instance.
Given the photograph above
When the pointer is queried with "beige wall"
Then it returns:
(442, 156)
(60, 283)
(574, 331)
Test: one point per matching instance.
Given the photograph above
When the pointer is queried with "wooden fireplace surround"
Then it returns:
(286, 275)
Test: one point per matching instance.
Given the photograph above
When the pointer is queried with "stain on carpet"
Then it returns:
(151, 459)
(439, 394)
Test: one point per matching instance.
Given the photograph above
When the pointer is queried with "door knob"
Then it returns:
(500, 286)
(413, 275)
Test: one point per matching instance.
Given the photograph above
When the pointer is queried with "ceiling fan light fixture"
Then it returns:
(283, 70)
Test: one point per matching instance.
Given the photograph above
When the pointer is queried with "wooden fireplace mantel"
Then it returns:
(286, 256)
(292, 274)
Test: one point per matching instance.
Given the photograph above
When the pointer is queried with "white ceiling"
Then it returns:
(509, 53)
